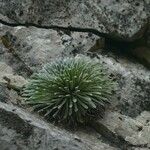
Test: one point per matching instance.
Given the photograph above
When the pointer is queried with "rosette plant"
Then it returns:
(70, 90)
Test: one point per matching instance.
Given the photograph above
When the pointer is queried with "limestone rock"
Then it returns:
(134, 131)
(6, 75)
(36, 47)
(121, 19)
(133, 95)
(10, 84)
(20, 130)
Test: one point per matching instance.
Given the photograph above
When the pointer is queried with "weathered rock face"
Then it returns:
(133, 84)
(122, 19)
(7, 75)
(24, 50)
(134, 132)
(9, 84)
(35, 47)
(20, 130)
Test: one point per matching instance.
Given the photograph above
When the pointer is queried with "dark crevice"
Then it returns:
(69, 28)
(90, 30)
(118, 46)
(110, 40)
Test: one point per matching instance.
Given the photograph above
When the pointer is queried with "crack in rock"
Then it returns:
(69, 28)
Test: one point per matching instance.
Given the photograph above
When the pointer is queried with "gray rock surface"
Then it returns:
(7, 76)
(134, 131)
(20, 130)
(10, 84)
(36, 47)
(123, 19)
(128, 117)
(133, 84)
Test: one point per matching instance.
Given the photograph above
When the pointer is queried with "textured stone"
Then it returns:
(122, 19)
(134, 131)
(9, 84)
(7, 76)
(133, 95)
(36, 47)
(20, 130)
